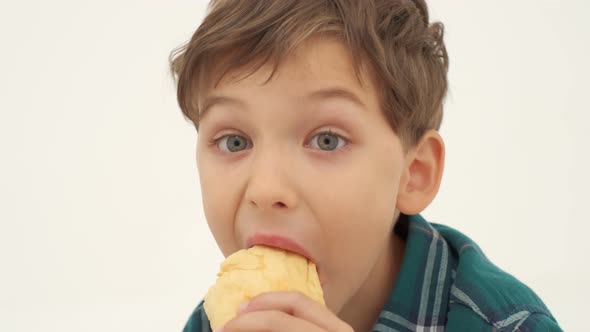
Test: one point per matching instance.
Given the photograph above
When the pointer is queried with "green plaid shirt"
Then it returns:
(446, 283)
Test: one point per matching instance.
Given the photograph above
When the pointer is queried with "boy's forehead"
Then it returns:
(317, 61)
(316, 69)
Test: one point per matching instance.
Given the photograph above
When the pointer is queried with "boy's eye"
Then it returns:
(328, 141)
(232, 143)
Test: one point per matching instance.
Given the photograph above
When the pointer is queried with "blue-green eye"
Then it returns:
(232, 143)
(328, 141)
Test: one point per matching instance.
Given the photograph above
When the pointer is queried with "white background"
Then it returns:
(101, 223)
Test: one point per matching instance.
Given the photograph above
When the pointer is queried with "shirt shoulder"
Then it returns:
(198, 321)
(463, 318)
(483, 296)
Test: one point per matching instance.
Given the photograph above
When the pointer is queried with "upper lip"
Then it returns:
(278, 241)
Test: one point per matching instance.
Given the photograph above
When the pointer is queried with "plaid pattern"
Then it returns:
(446, 283)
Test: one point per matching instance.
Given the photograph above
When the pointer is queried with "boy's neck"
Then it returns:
(363, 309)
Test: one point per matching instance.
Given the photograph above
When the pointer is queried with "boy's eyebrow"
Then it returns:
(336, 92)
(211, 101)
(324, 93)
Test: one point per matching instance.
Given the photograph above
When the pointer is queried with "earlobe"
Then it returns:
(422, 174)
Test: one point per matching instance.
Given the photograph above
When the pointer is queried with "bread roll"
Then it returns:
(250, 272)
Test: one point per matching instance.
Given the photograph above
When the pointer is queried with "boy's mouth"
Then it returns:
(277, 241)
(281, 242)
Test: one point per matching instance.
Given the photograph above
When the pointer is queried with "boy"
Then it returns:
(318, 126)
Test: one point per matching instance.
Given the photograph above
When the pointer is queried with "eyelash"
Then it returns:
(215, 141)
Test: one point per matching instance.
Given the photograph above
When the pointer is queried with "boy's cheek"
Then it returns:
(221, 227)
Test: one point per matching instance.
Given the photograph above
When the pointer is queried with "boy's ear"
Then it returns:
(422, 174)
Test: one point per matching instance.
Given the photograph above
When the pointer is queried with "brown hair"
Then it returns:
(407, 55)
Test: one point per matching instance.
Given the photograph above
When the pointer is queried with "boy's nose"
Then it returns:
(269, 186)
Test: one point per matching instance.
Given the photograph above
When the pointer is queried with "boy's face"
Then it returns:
(292, 159)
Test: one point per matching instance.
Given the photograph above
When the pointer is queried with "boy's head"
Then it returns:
(318, 124)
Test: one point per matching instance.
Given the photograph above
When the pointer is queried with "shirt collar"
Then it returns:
(420, 297)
